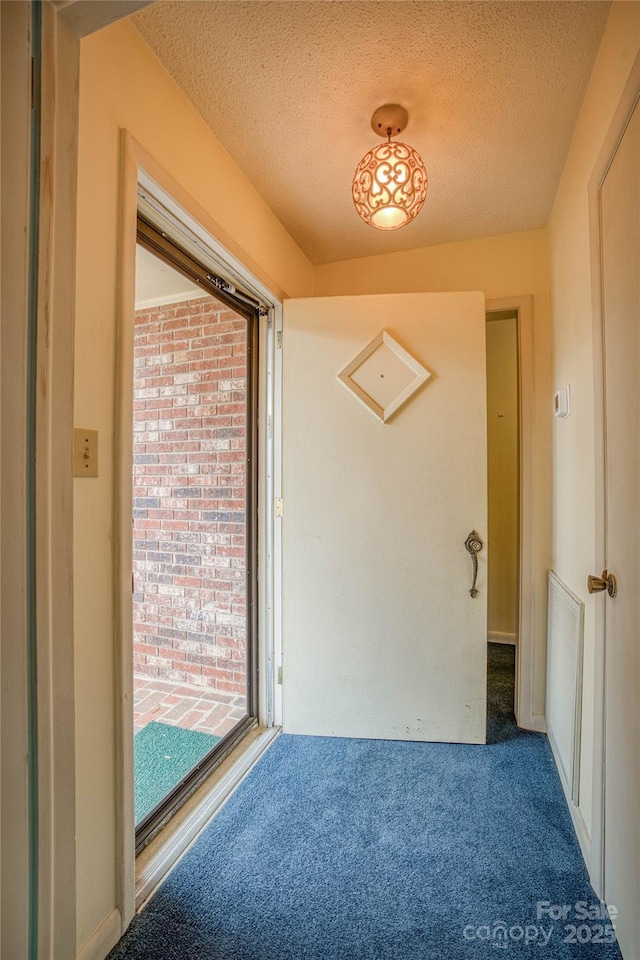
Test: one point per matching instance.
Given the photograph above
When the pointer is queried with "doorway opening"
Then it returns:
(503, 480)
(194, 525)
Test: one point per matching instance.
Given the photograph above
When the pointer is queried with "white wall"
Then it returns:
(122, 85)
(574, 505)
(502, 468)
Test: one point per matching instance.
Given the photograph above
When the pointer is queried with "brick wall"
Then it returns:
(190, 484)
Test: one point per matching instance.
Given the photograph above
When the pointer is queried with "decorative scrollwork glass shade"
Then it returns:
(390, 185)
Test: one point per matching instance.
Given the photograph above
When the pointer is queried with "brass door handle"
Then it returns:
(474, 545)
(606, 582)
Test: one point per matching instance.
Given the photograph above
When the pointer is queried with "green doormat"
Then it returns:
(163, 755)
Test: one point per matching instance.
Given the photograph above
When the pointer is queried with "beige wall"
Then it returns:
(502, 266)
(502, 468)
(123, 85)
(574, 506)
(505, 266)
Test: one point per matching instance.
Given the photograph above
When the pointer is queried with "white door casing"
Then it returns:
(381, 636)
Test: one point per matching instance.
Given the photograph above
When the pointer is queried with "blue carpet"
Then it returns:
(337, 849)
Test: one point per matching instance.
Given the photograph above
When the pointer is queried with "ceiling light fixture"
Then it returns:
(390, 183)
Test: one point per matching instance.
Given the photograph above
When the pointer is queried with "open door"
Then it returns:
(619, 195)
(384, 478)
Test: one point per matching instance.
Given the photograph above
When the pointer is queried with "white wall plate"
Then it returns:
(384, 376)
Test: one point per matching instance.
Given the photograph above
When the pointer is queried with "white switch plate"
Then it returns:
(85, 452)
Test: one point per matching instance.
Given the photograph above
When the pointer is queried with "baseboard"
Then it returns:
(494, 636)
(582, 833)
(158, 859)
(580, 827)
(102, 940)
(537, 722)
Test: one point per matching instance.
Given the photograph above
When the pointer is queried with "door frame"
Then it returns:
(139, 169)
(39, 174)
(171, 253)
(527, 641)
(621, 117)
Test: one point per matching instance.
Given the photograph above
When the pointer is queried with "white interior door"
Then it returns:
(620, 213)
(381, 636)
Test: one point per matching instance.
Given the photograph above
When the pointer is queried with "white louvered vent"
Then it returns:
(565, 636)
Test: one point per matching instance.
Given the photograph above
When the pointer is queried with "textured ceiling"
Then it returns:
(493, 91)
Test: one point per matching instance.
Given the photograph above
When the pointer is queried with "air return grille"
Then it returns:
(565, 638)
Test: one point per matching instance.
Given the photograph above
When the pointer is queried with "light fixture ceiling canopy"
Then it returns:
(389, 120)
(390, 183)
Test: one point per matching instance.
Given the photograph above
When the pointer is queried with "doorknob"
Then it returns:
(606, 582)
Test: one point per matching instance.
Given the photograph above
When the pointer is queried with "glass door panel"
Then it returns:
(192, 528)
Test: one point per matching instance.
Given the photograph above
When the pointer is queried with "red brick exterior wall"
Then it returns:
(190, 484)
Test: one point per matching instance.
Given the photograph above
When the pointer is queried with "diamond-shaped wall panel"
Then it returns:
(384, 376)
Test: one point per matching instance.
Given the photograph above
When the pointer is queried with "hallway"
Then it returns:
(336, 848)
(233, 131)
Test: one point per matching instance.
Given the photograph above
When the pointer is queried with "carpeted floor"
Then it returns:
(163, 755)
(338, 849)
(501, 671)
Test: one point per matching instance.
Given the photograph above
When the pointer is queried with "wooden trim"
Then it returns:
(579, 825)
(54, 488)
(15, 62)
(53, 481)
(619, 123)
(123, 552)
(136, 163)
(83, 17)
(269, 527)
(527, 641)
(538, 723)
(102, 940)
(421, 375)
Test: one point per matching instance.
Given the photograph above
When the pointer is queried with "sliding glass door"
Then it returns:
(193, 516)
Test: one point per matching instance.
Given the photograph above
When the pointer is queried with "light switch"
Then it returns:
(85, 452)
